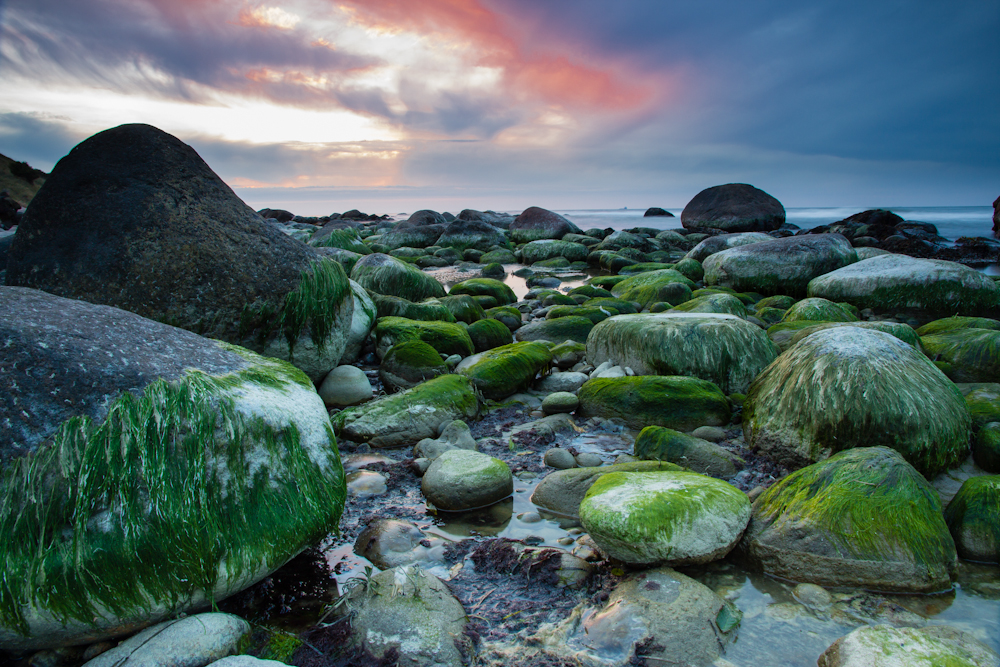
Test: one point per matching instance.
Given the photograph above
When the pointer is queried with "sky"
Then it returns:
(388, 106)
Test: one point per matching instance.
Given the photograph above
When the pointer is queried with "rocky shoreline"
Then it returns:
(731, 442)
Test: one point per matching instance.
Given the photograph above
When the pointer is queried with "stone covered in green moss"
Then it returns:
(621, 305)
(393, 277)
(644, 267)
(488, 333)
(690, 268)
(345, 239)
(408, 417)
(956, 322)
(973, 517)
(409, 363)
(786, 334)
(714, 244)
(508, 315)
(362, 321)
(714, 303)
(677, 518)
(653, 286)
(506, 370)
(606, 282)
(818, 310)
(463, 307)
(986, 447)
(498, 256)
(861, 518)
(681, 403)
(779, 266)
(593, 314)
(886, 646)
(657, 443)
(769, 316)
(395, 306)
(983, 400)
(445, 337)
(140, 490)
(779, 301)
(486, 287)
(894, 283)
(561, 492)
(849, 387)
(723, 349)
(539, 251)
(573, 328)
(591, 292)
(973, 354)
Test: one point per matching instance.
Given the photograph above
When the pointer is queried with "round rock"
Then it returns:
(559, 402)
(345, 385)
(460, 479)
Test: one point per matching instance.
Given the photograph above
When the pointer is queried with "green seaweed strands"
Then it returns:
(139, 511)
(869, 503)
(345, 239)
(315, 302)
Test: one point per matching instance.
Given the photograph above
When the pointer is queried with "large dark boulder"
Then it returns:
(425, 217)
(133, 218)
(656, 211)
(476, 234)
(538, 223)
(501, 220)
(875, 216)
(736, 207)
(145, 470)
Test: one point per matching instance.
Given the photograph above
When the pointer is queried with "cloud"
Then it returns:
(35, 138)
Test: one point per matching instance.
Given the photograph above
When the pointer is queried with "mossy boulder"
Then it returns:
(410, 416)
(463, 234)
(463, 308)
(973, 354)
(714, 244)
(408, 363)
(779, 301)
(723, 349)
(886, 646)
(461, 479)
(507, 369)
(897, 283)
(498, 256)
(983, 400)
(621, 305)
(593, 314)
(986, 447)
(109, 431)
(714, 303)
(395, 306)
(535, 223)
(546, 249)
(864, 518)
(486, 287)
(690, 268)
(787, 334)
(573, 328)
(561, 492)
(334, 235)
(849, 387)
(973, 517)
(818, 310)
(508, 315)
(652, 286)
(957, 322)
(362, 322)
(445, 337)
(779, 266)
(393, 277)
(656, 443)
(675, 518)
(488, 333)
(682, 403)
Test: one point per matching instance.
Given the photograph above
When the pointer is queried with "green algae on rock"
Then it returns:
(503, 294)
(461, 479)
(787, 334)
(594, 314)
(410, 416)
(682, 403)
(849, 387)
(664, 444)
(488, 333)
(973, 517)
(446, 337)
(546, 249)
(168, 483)
(779, 266)
(724, 304)
(864, 517)
(675, 518)
(972, 354)
(894, 283)
(409, 363)
(508, 315)
(573, 328)
(652, 286)
(345, 239)
(562, 491)
(507, 369)
(957, 322)
(393, 277)
(886, 646)
(818, 310)
(723, 349)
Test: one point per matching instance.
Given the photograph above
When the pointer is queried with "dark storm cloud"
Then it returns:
(36, 139)
(873, 80)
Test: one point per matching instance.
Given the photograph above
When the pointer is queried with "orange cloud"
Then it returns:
(555, 79)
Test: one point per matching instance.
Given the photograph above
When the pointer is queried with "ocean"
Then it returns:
(952, 221)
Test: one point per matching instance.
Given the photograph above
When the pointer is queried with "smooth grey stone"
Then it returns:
(559, 458)
(344, 386)
(193, 641)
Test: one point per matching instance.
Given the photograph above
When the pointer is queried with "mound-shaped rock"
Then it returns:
(536, 223)
(408, 363)
(572, 327)
(714, 244)
(675, 518)
(973, 517)
(463, 234)
(460, 479)
(445, 337)
(561, 492)
(818, 310)
(393, 277)
(973, 355)
(134, 218)
(505, 370)
(682, 403)
(717, 304)
(490, 287)
(894, 283)
(652, 286)
(664, 444)
(723, 349)
(849, 387)
(779, 266)
(110, 426)
(539, 251)
(736, 207)
(862, 518)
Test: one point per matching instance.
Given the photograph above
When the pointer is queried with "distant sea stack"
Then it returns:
(736, 207)
(133, 218)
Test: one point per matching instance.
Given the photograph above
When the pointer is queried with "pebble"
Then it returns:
(710, 433)
(560, 402)
(588, 460)
(529, 517)
(559, 459)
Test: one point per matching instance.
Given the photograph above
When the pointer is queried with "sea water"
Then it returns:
(952, 222)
